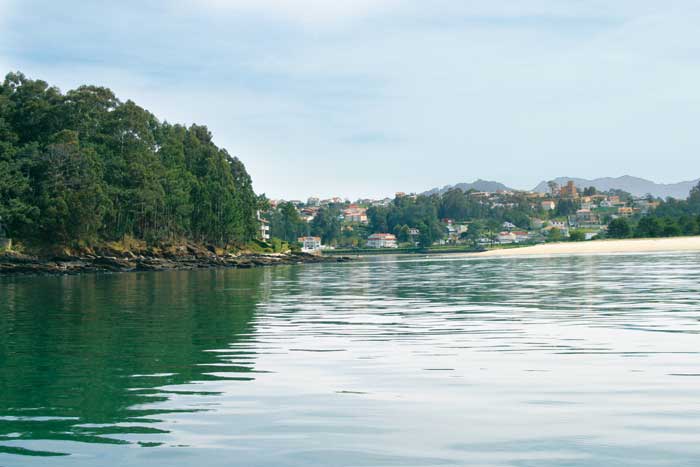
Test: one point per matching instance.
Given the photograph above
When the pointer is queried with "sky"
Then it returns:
(365, 98)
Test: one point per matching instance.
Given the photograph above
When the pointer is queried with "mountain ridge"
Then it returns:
(478, 185)
(635, 185)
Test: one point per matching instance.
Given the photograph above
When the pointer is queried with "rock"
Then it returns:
(149, 259)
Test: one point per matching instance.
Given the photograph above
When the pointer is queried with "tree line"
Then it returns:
(84, 167)
(672, 218)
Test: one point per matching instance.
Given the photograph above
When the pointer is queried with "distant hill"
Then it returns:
(634, 185)
(478, 185)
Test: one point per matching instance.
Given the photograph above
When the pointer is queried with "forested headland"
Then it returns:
(83, 167)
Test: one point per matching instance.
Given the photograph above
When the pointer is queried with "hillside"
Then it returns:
(84, 168)
(634, 185)
(478, 185)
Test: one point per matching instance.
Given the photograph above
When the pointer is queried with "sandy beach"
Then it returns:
(640, 245)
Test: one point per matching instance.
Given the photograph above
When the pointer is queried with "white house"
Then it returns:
(310, 244)
(264, 231)
(558, 224)
(521, 236)
(506, 237)
(381, 240)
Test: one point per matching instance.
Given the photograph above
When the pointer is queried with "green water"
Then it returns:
(571, 361)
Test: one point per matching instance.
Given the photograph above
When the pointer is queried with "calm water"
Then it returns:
(577, 361)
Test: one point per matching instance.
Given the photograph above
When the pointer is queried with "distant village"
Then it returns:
(561, 213)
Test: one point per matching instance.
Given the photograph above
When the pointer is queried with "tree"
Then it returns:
(425, 238)
(649, 226)
(286, 224)
(577, 235)
(402, 233)
(619, 228)
(474, 233)
(85, 167)
(555, 235)
(670, 228)
(326, 224)
(566, 207)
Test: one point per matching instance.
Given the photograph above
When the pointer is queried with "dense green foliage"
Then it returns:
(670, 219)
(619, 228)
(82, 167)
(286, 224)
(421, 212)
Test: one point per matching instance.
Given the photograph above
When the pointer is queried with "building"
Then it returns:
(586, 216)
(506, 237)
(264, 228)
(264, 232)
(625, 211)
(313, 201)
(509, 225)
(548, 205)
(569, 190)
(310, 244)
(381, 240)
(521, 236)
(557, 224)
(355, 213)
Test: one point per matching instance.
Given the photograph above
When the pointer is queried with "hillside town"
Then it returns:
(455, 218)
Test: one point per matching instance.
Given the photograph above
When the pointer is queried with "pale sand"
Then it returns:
(640, 245)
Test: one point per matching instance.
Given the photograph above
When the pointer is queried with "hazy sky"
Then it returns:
(365, 98)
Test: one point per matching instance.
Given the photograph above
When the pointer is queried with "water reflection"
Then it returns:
(562, 361)
(81, 357)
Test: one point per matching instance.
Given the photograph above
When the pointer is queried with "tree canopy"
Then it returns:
(83, 167)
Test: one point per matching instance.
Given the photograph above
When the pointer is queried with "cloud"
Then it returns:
(308, 12)
(368, 98)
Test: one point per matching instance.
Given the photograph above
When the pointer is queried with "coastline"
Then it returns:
(16, 264)
(636, 245)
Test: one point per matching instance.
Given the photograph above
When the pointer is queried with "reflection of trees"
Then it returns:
(73, 348)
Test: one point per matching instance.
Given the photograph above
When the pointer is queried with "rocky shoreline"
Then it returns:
(184, 258)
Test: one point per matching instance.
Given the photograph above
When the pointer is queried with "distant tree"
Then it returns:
(566, 207)
(402, 233)
(286, 224)
(577, 235)
(425, 239)
(474, 233)
(619, 228)
(670, 228)
(555, 235)
(649, 226)
(590, 191)
(326, 224)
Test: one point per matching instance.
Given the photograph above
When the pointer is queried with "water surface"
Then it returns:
(564, 361)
